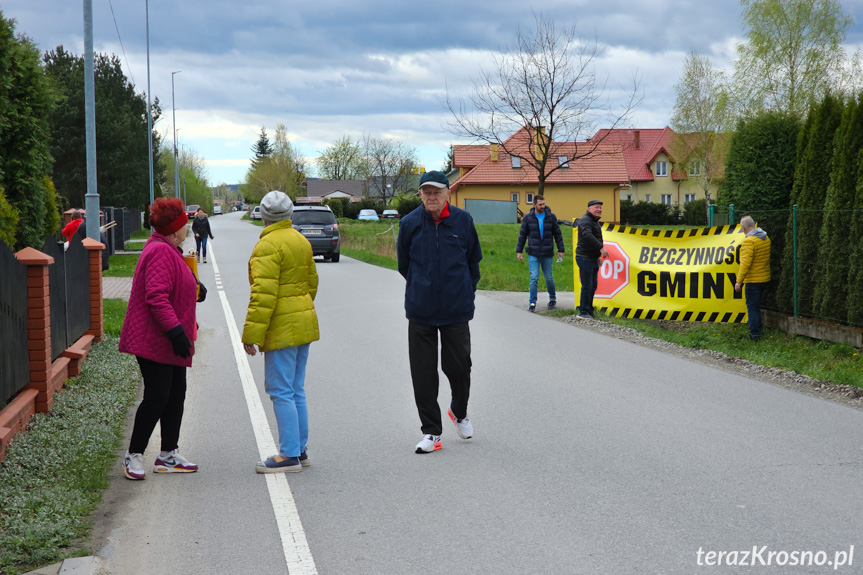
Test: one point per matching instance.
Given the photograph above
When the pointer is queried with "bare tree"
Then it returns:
(341, 161)
(701, 115)
(389, 165)
(547, 85)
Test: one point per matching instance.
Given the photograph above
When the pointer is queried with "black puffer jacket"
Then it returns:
(589, 237)
(201, 226)
(540, 247)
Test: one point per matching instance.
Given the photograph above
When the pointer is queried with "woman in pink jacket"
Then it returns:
(158, 330)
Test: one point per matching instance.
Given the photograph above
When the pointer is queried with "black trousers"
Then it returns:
(455, 361)
(164, 396)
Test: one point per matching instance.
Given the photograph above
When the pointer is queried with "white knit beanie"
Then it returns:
(276, 206)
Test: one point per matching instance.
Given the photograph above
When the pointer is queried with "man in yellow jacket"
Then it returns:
(754, 272)
(282, 322)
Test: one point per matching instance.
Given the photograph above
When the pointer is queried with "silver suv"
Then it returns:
(319, 226)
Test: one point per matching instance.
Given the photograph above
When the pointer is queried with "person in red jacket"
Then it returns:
(159, 330)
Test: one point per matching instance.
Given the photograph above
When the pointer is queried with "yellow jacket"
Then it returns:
(284, 284)
(754, 258)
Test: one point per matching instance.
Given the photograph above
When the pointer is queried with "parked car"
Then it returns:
(368, 215)
(319, 226)
(217, 209)
(191, 210)
(255, 214)
(390, 215)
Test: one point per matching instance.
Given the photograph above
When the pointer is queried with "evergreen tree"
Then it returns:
(25, 156)
(855, 274)
(831, 289)
(450, 156)
(262, 148)
(811, 180)
(121, 132)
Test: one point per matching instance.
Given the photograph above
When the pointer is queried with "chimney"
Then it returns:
(494, 152)
(638, 139)
(539, 142)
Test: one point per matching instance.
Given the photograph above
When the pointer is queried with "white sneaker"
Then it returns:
(463, 427)
(429, 443)
(173, 462)
(133, 465)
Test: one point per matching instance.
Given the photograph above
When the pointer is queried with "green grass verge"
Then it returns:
(114, 312)
(54, 473)
(370, 258)
(121, 265)
(134, 246)
(499, 269)
(822, 360)
(141, 234)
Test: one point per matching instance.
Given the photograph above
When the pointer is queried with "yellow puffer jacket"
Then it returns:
(284, 284)
(754, 259)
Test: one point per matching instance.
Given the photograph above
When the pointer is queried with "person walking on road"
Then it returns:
(589, 253)
(542, 231)
(201, 229)
(159, 330)
(282, 322)
(438, 255)
(754, 272)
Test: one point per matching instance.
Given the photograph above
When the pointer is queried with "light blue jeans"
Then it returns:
(534, 263)
(284, 381)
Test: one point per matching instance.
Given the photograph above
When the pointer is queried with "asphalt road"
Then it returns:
(590, 456)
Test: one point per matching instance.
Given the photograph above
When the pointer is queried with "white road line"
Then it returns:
(298, 556)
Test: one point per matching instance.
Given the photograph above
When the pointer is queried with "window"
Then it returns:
(646, 197)
(563, 161)
(529, 198)
(516, 162)
(694, 169)
(514, 197)
(661, 168)
(666, 199)
(688, 198)
(629, 197)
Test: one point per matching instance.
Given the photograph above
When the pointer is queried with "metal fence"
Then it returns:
(128, 222)
(796, 265)
(14, 362)
(69, 278)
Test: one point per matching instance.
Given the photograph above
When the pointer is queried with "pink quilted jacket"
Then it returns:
(163, 296)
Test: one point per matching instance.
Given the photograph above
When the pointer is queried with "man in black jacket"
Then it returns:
(541, 230)
(438, 255)
(589, 253)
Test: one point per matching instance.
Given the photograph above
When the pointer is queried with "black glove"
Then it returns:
(181, 344)
(202, 292)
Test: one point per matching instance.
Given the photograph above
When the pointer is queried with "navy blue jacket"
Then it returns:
(441, 265)
(540, 247)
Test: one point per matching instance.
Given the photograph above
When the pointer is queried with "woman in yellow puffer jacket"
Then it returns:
(282, 322)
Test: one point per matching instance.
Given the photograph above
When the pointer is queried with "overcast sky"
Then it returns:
(327, 68)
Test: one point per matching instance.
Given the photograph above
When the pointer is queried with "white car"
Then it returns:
(255, 214)
(217, 209)
(368, 215)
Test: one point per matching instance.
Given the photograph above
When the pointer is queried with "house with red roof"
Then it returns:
(659, 166)
(501, 172)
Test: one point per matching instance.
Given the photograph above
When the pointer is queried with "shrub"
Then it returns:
(647, 213)
(8, 221)
(695, 213)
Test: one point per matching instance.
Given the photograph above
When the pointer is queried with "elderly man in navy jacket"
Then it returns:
(541, 231)
(439, 255)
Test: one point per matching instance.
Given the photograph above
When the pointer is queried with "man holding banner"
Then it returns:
(589, 253)
(754, 272)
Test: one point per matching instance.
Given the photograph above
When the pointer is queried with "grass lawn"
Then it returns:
(499, 268)
(141, 234)
(135, 245)
(121, 265)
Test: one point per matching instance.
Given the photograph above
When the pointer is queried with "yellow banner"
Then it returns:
(685, 275)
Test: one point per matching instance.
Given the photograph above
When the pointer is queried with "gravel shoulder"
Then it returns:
(845, 394)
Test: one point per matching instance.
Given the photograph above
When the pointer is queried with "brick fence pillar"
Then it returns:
(94, 249)
(38, 319)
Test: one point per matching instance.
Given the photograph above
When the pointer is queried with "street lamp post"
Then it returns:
(149, 107)
(174, 120)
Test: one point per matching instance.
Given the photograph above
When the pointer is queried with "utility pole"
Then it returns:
(149, 109)
(91, 200)
(174, 120)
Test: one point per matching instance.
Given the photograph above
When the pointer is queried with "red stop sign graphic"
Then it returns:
(613, 272)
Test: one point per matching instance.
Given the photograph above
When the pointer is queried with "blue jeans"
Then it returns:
(588, 268)
(753, 294)
(284, 380)
(534, 263)
(201, 245)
